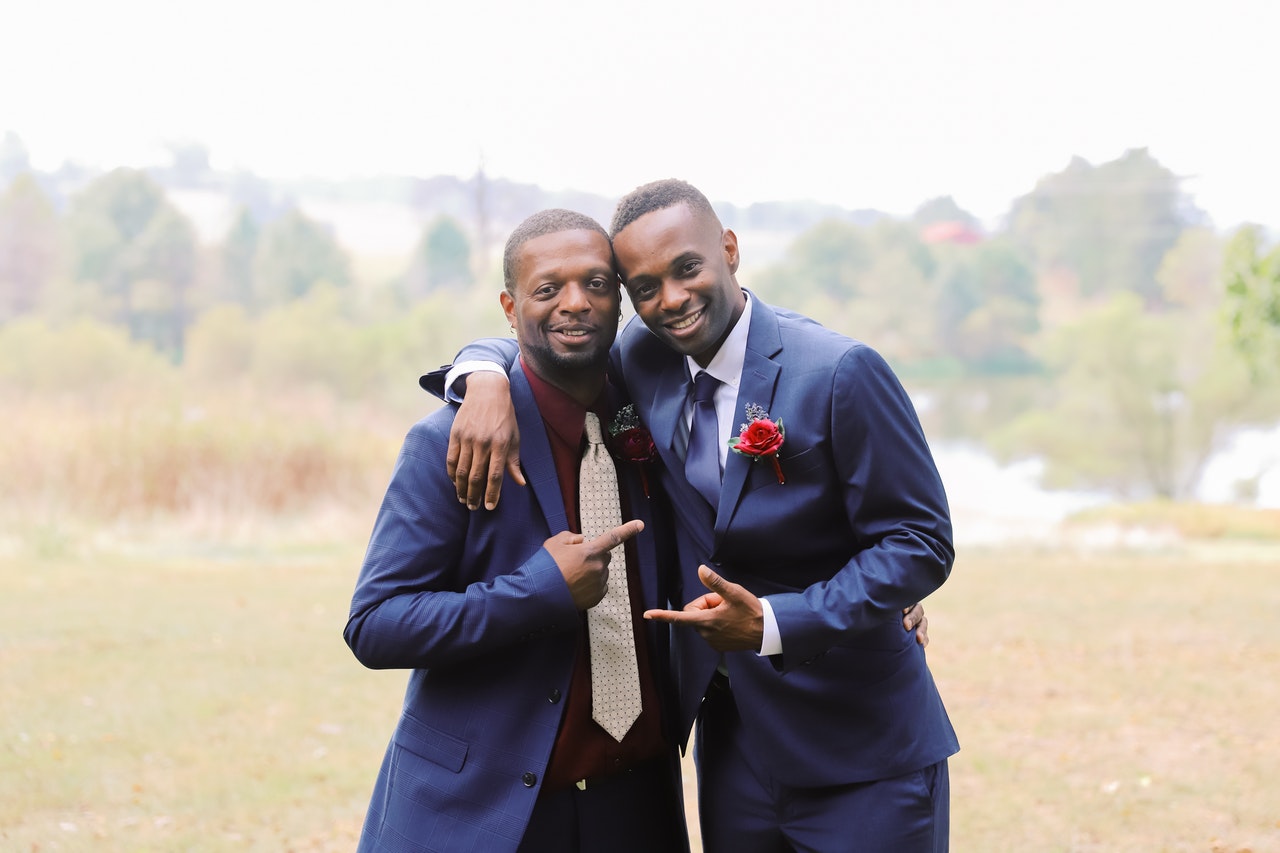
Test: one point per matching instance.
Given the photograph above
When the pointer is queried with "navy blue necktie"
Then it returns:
(702, 462)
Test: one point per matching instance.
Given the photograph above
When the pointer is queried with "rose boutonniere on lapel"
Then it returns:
(632, 441)
(760, 438)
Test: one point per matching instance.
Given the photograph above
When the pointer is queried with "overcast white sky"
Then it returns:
(865, 104)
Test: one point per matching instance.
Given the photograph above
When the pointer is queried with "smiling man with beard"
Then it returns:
(498, 746)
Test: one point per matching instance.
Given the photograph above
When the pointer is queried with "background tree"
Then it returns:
(442, 259)
(294, 255)
(943, 209)
(236, 257)
(988, 307)
(165, 253)
(1136, 402)
(28, 246)
(1108, 226)
(131, 245)
(1190, 275)
(1251, 274)
(828, 259)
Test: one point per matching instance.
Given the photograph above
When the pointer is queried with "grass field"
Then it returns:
(170, 699)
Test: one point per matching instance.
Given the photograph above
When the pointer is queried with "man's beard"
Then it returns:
(565, 364)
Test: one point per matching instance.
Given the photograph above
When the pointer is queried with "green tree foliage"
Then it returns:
(314, 346)
(295, 254)
(943, 209)
(1137, 401)
(236, 259)
(867, 282)
(1108, 225)
(28, 246)
(1251, 274)
(442, 259)
(896, 307)
(988, 307)
(1190, 274)
(923, 306)
(131, 244)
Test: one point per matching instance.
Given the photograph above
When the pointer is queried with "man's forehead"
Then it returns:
(667, 234)
(566, 250)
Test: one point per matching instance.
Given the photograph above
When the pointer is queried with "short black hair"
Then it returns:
(551, 221)
(659, 195)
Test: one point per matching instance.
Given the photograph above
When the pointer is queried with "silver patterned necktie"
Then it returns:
(615, 675)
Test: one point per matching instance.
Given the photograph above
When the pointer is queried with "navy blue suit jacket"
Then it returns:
(474, 604)
(860, 529)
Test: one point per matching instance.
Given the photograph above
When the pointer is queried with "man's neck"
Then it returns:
(584, 385)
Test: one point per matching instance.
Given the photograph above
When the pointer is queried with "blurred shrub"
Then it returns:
(81, 357)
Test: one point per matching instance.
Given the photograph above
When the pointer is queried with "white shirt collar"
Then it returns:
(727, 363)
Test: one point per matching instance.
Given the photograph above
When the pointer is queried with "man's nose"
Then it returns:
(573, 299)
(672, 296)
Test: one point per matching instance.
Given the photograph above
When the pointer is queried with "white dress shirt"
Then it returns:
(726, 366)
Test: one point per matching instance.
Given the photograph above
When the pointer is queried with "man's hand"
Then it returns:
(728, 617)
(585, 564)
(913, 617)
(484, 441)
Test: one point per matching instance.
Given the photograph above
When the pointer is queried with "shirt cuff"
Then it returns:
(460, 370)
(772, 642)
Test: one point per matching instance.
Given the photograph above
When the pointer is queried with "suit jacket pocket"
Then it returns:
(794, 468)
(432, 744)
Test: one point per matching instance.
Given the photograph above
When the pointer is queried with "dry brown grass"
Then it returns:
(1187, 520)
(163, 695)
(139, 457)
(1118, 702)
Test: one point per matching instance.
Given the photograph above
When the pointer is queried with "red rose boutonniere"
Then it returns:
(632, 441)
(760, 438)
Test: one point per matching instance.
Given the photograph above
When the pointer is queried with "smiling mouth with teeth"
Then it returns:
(685, 323)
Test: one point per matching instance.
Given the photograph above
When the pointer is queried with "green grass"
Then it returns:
(173, 699)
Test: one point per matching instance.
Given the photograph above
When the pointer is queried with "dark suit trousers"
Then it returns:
(742, 809)
(637, 811)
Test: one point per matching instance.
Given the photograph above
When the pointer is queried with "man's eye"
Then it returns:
(689, 267)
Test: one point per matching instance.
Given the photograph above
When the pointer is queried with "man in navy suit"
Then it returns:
(819, 724)
(496, 748)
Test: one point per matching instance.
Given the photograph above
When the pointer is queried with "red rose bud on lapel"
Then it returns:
(761, 438)
(632, 442)
(635, 445)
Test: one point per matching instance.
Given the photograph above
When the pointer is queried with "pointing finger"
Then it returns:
(675, 617)
(615, 537)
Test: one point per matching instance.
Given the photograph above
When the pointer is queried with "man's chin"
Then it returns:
(582, 359)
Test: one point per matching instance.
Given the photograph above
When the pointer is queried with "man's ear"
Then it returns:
(729, 242)
(508, 307)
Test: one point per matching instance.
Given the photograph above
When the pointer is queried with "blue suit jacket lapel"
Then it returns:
(535, 453)
(758, 385)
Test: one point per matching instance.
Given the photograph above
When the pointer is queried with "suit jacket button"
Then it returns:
(529, 779)
(554, 696)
